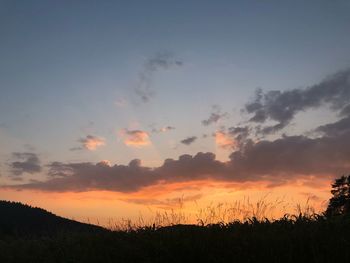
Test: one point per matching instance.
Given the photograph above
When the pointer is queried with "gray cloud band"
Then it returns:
(281, 160)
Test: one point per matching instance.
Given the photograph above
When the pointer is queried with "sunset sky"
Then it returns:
(109, 109)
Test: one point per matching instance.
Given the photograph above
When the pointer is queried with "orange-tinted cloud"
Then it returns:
(90, 142)
(224, 140)
(105, 163)
(135, 138)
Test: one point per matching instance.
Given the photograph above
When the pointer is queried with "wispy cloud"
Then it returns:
(168, 203)
(160, 61)
(215, 116)
(163, 129)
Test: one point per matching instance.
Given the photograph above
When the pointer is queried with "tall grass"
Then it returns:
(244, 210)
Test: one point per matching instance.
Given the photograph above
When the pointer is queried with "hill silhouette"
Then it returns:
(20, 219)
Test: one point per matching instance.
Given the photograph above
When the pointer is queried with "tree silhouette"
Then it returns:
(339, 204)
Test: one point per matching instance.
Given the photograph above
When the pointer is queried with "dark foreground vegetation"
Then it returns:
(286, 240)
(303, 238)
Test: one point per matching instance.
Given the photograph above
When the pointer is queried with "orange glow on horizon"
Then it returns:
(186, 197)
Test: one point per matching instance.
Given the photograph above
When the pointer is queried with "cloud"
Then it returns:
(135, 138)
(337, 128)
(168, 203)
(291, 156)
(224, 140)
(189, 140)
(105, 163)
(160, 61)
(126, 178)
(215, 116)
(163, 129)
(240, 135)
(277, 162)
(59, 169)
(90, 142)
(282, 106)
(26, 163)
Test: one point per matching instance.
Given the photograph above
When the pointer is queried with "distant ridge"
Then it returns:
(20, 219)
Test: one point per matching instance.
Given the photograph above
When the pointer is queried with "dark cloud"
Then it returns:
(345, 111)
(160, 61)
(339, 127)
(291, 156)
(233, 137)
(335, 129)
(59, 169)
(215, 116)
(277, 162)
(25, 163)
(189, 140)
(282, 106)
(240, 134)
(126, 178)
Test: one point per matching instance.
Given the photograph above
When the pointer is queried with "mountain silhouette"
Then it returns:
(20, 219)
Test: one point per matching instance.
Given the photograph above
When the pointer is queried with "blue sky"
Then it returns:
(65, 65)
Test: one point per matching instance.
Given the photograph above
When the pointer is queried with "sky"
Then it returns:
(115, 108)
